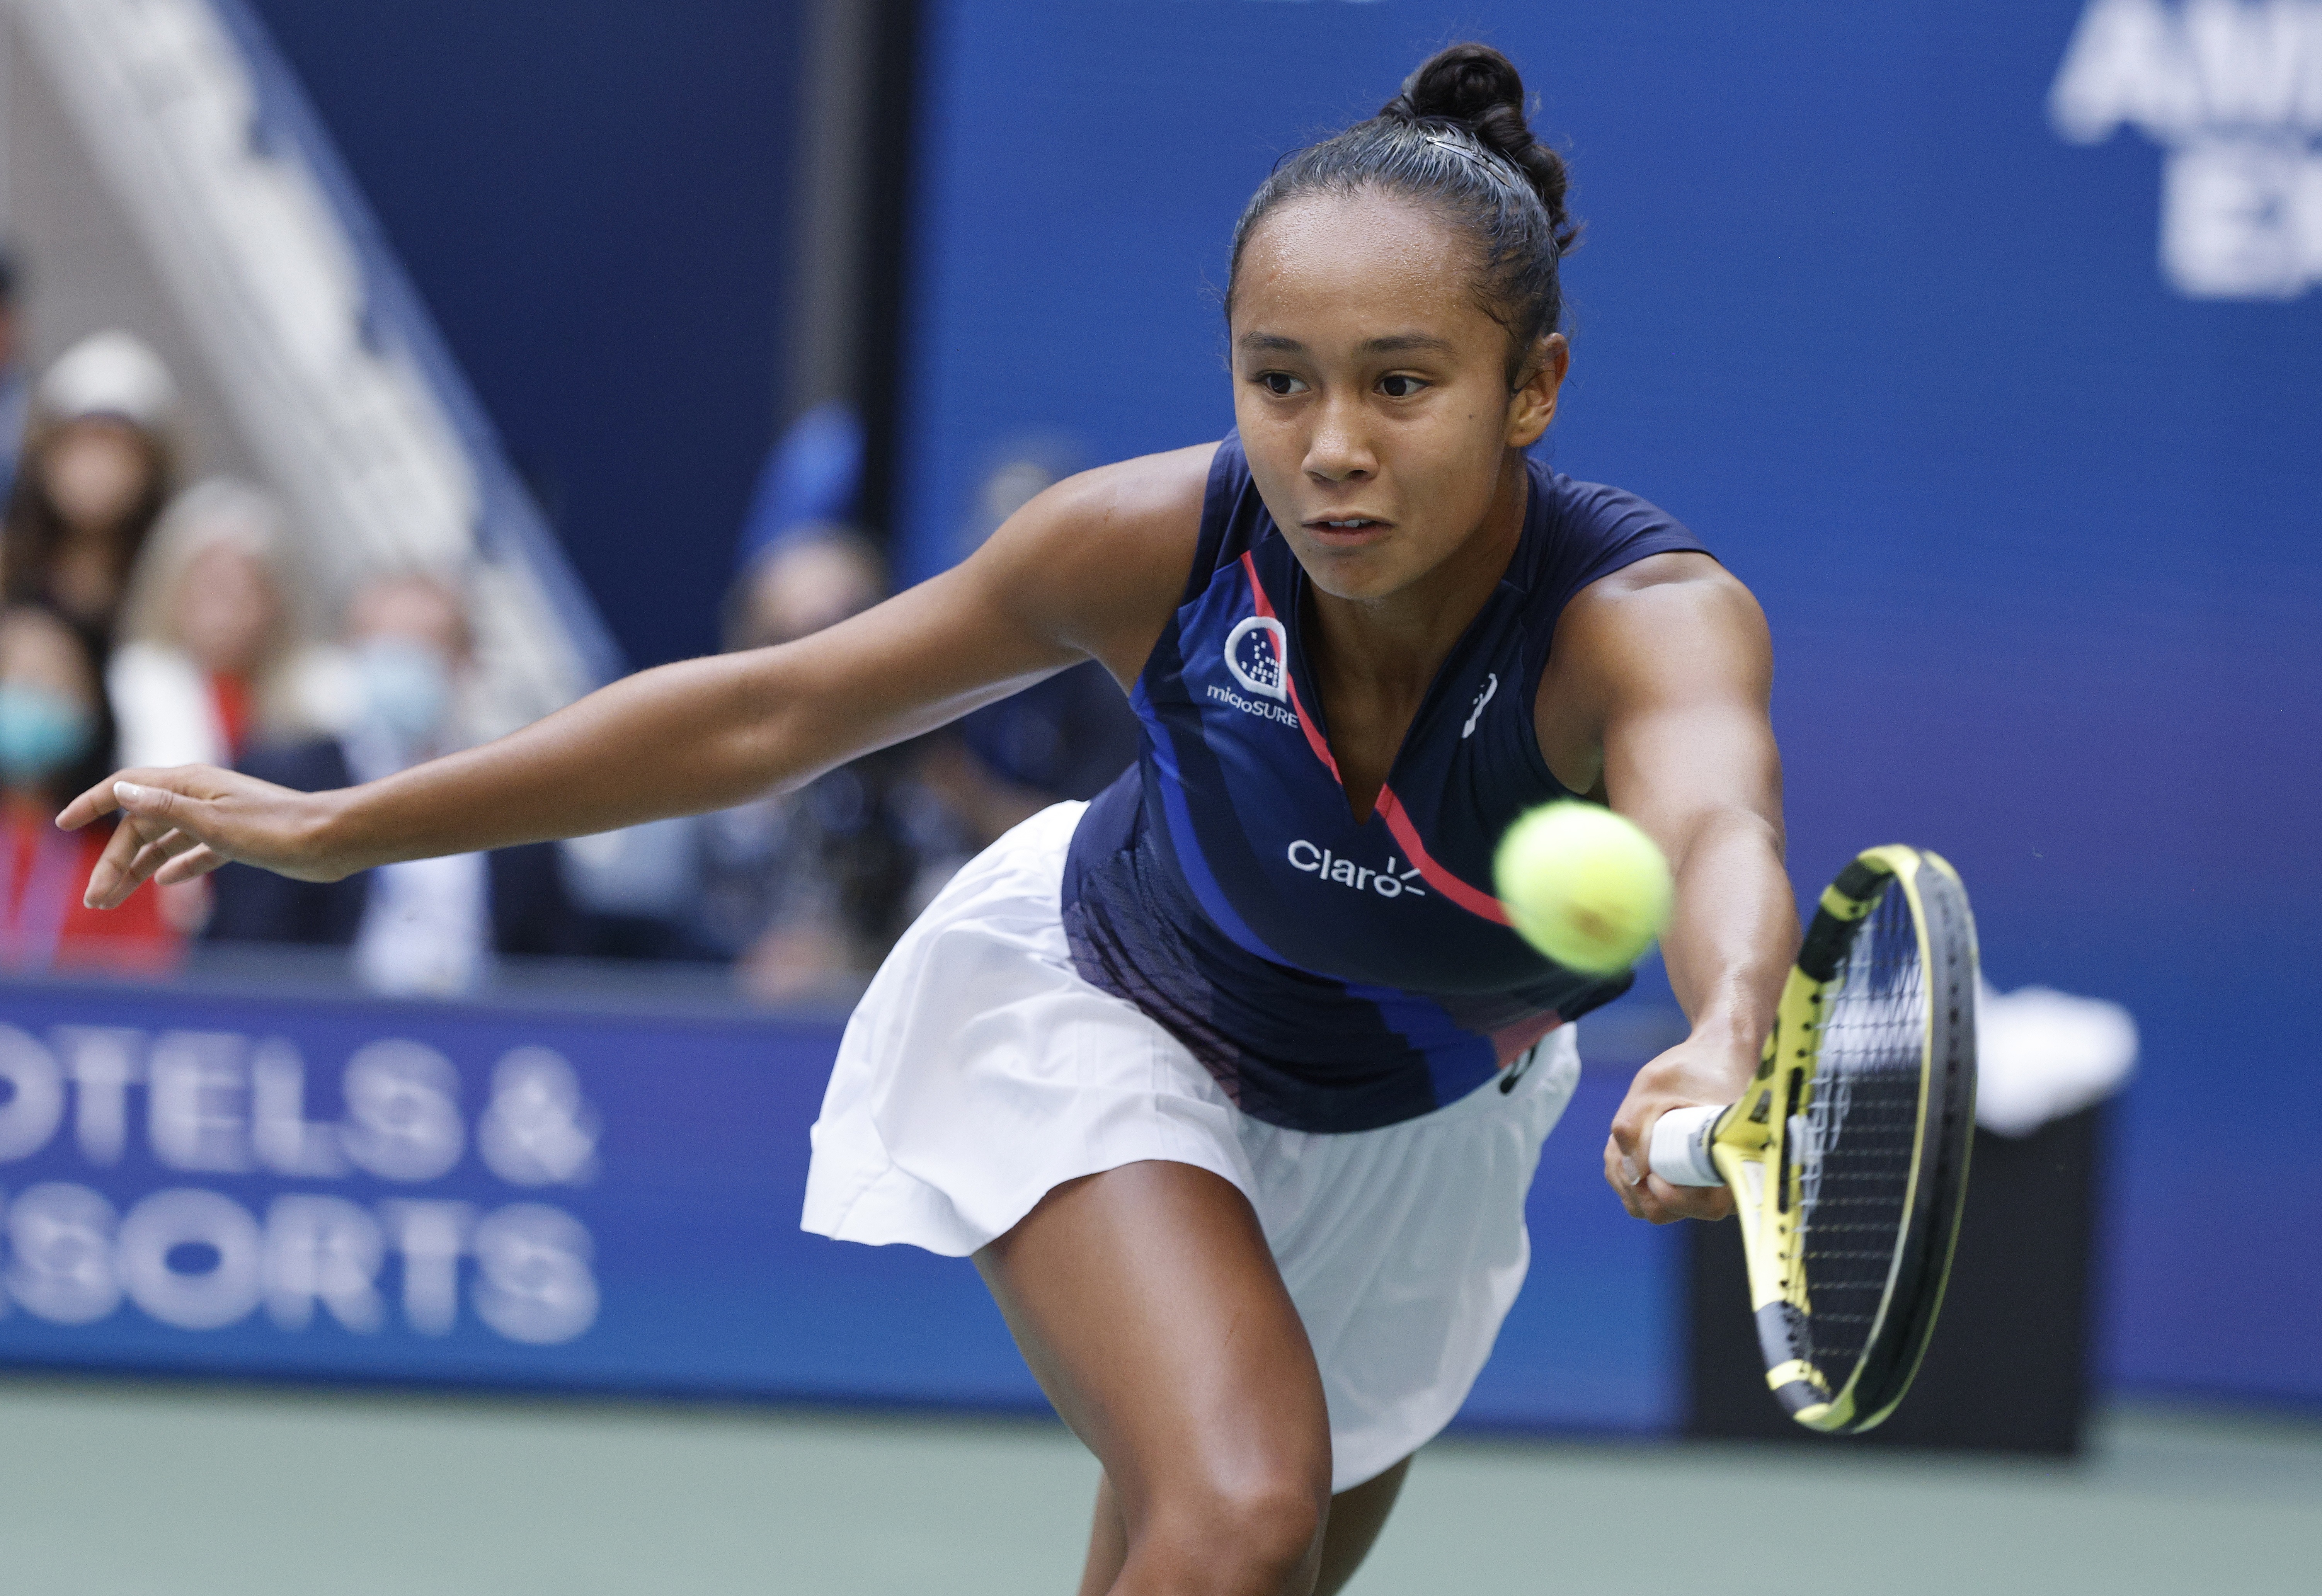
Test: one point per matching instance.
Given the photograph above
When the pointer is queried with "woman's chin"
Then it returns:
(1360, 573)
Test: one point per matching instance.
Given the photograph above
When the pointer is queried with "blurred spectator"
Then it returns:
(1018, 469)
(211, 661)
(811, 483)
(56, 739)
(15, 388)
(808, 889)
(95, 474)
(809, 579)
(429, 925)
(1066, 737)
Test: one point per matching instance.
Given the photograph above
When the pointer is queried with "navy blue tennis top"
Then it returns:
(1336, 975)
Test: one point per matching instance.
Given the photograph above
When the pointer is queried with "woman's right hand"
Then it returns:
(186, 821)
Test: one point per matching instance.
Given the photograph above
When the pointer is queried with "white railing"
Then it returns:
(333, 371)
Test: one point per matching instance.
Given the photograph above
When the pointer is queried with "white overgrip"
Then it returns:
(1679, 1152)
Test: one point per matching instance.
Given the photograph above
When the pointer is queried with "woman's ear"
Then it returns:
(1532, 405)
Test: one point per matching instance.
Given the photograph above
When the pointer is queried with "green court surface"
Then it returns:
(133, 1489)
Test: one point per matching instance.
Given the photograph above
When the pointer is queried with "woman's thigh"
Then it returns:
(1147, 1302)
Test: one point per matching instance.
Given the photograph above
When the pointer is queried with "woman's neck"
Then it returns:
(1375, 659)
(1391, 647)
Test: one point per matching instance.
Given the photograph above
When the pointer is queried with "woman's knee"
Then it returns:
(1257, 1534)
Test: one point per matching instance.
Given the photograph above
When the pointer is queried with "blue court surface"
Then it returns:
(131, 1490)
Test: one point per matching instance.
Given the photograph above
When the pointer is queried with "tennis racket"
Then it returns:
(1847, 1156)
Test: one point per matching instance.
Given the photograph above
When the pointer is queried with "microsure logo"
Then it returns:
(2233, 90)
(1257, 651)
(1273, 712)
(1393, 881)
(1254, 652)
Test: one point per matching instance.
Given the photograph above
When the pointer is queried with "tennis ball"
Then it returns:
(1584, 886)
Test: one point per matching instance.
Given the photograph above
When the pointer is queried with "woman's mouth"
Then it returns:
(1343, 526)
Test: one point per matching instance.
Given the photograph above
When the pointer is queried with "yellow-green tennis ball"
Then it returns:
(1584, 886)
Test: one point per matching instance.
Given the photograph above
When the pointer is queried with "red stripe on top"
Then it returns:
(1388, 808)
(1481, 903)
(1517, 1040)
(1305, 721)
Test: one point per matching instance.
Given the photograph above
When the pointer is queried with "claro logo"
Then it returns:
(1395, 881)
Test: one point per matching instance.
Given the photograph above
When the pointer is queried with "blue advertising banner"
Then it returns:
(1979, 338)
(344, 1189)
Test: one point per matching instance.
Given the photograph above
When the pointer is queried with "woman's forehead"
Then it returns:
(1357, 259)
(33, 648)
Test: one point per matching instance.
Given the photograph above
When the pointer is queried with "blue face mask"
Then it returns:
(407, 685)
(41, 732)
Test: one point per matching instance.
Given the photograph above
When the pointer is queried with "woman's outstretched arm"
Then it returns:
(1091, 568)
(1662, 673)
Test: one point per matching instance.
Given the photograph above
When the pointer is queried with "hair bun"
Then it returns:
(1466, 83)
(1480, 89)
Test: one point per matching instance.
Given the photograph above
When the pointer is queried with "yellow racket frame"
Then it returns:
(1747, 1146)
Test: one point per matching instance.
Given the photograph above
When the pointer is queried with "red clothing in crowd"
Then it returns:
(231, 697)
(43, 924)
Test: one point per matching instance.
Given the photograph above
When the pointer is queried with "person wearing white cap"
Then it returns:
(95, 472)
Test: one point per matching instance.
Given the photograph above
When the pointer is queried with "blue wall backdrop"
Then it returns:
(2030, 501)
(592, 198)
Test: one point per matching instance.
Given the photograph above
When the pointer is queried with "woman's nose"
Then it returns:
(1339, 452)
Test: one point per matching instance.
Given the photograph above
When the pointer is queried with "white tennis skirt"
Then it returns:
(981, 1072)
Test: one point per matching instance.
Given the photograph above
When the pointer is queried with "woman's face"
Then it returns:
(1372, 391)
(226, 610)
(95, 471)
(48, 699)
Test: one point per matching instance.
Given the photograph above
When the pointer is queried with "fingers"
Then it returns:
(148, 802)
(1653, 1199)
(1627, 1164)
(139, 791)
(1618, 1175)
(110, 881)
(189, 866)
(1695, 1072)
(98, 800)
(1664, 1203)
(149, 836)
(130, 854)
(161, 850)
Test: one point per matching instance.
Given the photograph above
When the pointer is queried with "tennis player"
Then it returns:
(1232, 1082)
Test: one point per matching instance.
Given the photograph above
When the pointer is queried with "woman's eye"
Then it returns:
(1280, 384)
(1400, 388)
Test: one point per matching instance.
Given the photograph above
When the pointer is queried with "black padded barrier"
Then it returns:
(2007, 1370)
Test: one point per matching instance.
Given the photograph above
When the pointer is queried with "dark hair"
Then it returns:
(1455, 138)
(99, 757)
(33, 534)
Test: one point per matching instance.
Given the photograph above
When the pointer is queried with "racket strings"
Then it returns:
(1856, 1135)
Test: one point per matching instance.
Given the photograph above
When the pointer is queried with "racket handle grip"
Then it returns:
(1679, 1154)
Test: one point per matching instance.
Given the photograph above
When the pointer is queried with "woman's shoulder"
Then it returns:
(1103, 557)
(1152, 492)
(1586, 517)
(1582, 532)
